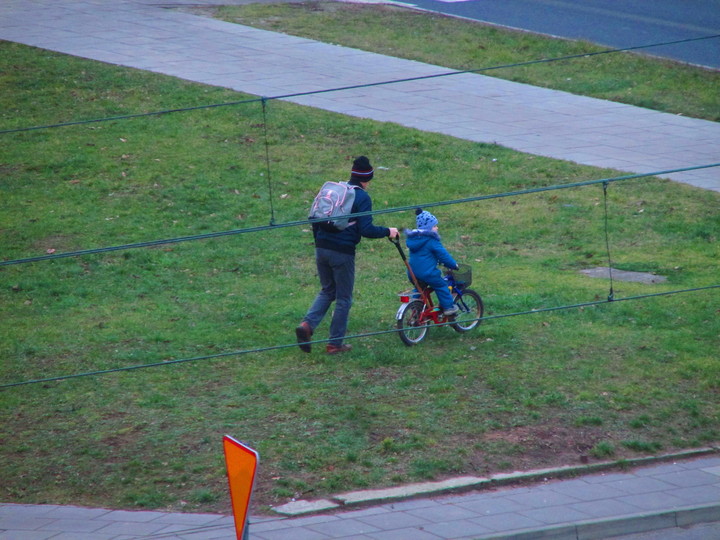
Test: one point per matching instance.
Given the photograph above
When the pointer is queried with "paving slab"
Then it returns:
(300, 507)
(409, 490)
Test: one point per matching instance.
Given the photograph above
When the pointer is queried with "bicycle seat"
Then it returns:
(423, 285)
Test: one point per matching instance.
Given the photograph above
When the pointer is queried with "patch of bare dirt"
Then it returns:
(539, 446)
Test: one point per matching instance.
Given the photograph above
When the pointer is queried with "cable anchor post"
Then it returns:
(611, 294)
(267, 161)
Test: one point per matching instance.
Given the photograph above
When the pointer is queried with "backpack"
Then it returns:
(333, 202)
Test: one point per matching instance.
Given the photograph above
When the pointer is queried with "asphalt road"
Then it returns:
(612, 23)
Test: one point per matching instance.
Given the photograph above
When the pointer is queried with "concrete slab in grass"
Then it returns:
(296, 508)
(623, 275)
(411, 490)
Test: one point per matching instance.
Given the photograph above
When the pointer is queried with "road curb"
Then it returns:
(607, 528)
(361, 498)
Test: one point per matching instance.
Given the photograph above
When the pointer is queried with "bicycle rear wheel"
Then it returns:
(471, 310)
(412, 331)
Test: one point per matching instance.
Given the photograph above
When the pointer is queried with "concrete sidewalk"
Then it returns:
(663, 496)
(145, 35)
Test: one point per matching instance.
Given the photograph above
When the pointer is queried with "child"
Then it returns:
(426, 252)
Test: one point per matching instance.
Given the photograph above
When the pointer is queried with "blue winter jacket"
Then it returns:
(426, 252)
(346, 240)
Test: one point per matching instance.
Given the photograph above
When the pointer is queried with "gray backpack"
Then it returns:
(333, 204)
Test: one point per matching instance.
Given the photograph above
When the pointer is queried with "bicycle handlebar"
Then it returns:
(396, 241)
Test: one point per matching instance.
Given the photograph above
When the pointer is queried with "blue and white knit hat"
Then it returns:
(425, 220)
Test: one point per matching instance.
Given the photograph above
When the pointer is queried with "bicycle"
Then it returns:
(418, 311)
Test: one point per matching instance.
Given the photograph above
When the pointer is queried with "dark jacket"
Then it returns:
(345, 241)
(426, 252)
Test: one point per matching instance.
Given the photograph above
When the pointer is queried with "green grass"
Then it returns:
(632, 78)
(618, 380)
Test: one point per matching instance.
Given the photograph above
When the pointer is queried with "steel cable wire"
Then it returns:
(305, 222)
(352, 87)
(348, 337)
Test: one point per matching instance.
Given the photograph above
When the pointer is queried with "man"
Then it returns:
(335, 259)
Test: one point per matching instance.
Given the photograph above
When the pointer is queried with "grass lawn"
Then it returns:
(613, 381)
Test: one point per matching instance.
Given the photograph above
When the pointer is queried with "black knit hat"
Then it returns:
(362, 171)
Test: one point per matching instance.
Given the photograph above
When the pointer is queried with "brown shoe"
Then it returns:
(335, 349)
(304, 334)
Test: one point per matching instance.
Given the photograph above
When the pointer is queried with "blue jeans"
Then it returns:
(337, 280)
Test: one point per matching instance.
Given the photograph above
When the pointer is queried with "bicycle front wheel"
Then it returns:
(471, 310)
(412, 329)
